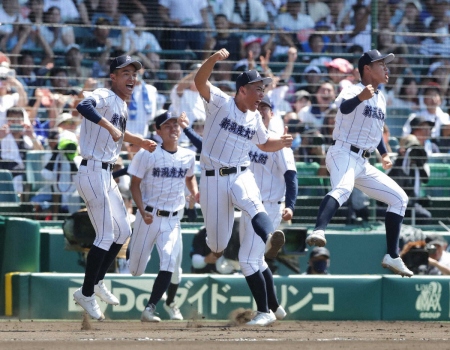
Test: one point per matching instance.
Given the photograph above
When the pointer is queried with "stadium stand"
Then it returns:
(73, 56)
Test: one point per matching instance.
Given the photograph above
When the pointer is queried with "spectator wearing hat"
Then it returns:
(340, 72)
(421, 128)
(431, 112)
(245, 14)
(252, 48)
(294, 22)
(301, 99)
(439, 258)
(319, 262)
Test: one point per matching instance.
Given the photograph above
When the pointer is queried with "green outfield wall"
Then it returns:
(49, 296)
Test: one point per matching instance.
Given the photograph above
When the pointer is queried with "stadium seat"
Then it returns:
(309, 182)
(395, 119)
(7, 191)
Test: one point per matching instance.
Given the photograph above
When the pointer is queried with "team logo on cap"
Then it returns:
(128, 58)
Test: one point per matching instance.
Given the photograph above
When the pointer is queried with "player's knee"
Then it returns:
(399, 205)
(176, 277)
(105, 244)
(249, 267)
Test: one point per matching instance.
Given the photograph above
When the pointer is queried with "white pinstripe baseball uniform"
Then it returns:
(229, 133)
(163, 185)
(95, 183)
(362, 129)
(269, 169)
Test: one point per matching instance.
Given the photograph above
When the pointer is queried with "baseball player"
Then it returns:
(103, 130)
(357, 133)
(157, 186)
(231, 125)
(276, 177)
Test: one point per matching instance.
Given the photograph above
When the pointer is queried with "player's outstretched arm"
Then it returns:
(204, 72)
(274, 144)
(87, 109)
(146, 144)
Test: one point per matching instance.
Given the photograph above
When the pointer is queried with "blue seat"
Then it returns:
(395, 119)
(7, 191)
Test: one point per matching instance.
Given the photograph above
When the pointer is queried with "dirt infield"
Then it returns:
(130, 335)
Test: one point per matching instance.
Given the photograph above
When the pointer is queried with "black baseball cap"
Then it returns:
(266, 100)
(417, 121)
(163, 117)
(319, 251)
(250, 76)
(373, 56)
(123, 61)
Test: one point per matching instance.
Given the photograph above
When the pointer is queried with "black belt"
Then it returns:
(160, 212)
(364, 153)
(224, 171)
(105, 166)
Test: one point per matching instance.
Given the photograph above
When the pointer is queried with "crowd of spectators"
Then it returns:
(53, 50)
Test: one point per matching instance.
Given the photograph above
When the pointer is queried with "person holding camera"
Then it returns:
(17, 136)
(411, 167)
(428, 255)
(439, 258)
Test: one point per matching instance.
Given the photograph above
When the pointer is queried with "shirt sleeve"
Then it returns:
(139, 164)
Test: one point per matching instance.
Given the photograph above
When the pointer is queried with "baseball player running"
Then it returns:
(357, 132)
(157, 187)
(231, 125)
(101, 136)
(276, 177)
